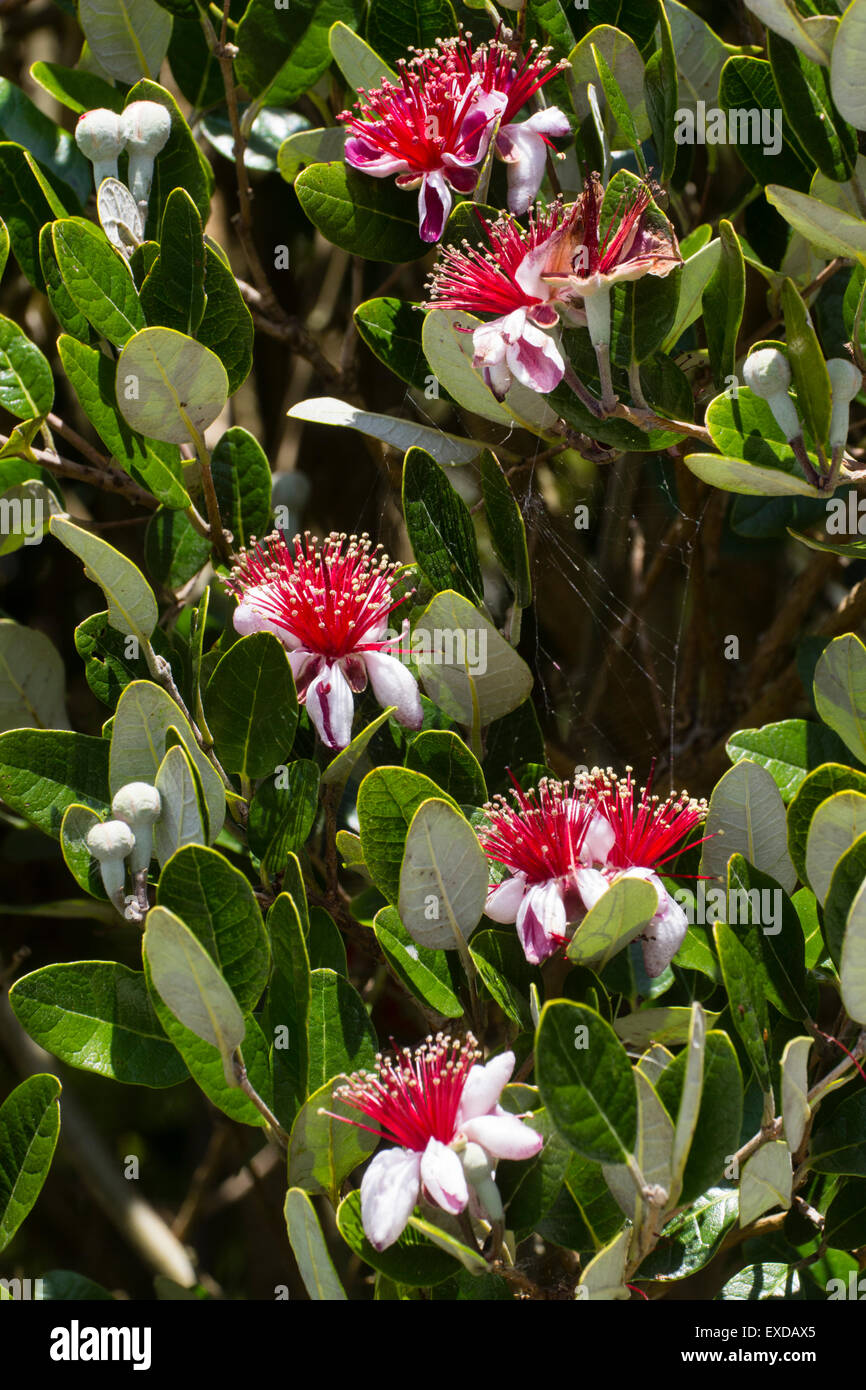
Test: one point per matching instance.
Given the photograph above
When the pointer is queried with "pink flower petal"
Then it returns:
(361, 154)
(443, 1177)
(504, 1136)
(484, 1086)
(389, 1192)
(541, 917)
(504, 899)
(535, 360)
(434, 205)
(330, 706)
(394, 684)
(665, 934)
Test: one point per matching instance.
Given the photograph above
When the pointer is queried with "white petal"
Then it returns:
(598, 841)
(389, 1192)
(331, 707)
(541, 917)
(443, 1177)
(394, 684)
(592, 884)
(504, 1136)
(664, 936)
(484, 1086)
(525, 153)
(503, 900)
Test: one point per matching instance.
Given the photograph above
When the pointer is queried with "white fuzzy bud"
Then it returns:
(767, 372)
(139, 805)
(146, 126)
(845, 381)
(110, 842)
(100, 137)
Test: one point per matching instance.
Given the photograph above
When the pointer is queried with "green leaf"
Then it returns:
(619, 105)
(26, 383)
(364, 216)
(827, 228)
(744, 985)
(804, 88)
(529, 1188)
(774, 939)
(723, 301)
(765, 1181)
(97, 1015)
(440, 528)
(760, 1282)
(838, 1145)
(788, 750)
(156, 467)
(391, 328)
(282, 814)
(323, 1151)
(661, 92)
(413, 1259)
(507, 531)
(464, 663)
(424, 972)
(63, 1285)
(287, 1010)
(621, 54)
(357, 61)
(190, 985)
(29, 1126)
(27, 202)
(66, 311)
(811, 379)
(132, 607)
(719, 1118)
(145, 713)
(443, 878)
(694, 275)
(840, 691)
(847, 878)
(603, 1279)
(76, 89)
(32, 680)
(251, 705)
(747, 86)
(845, 1221)
(448, 349)
(746, 816)
(310, 1251)
(444, 758)
(98, 279)
(109, 665)
(852, 970)
(170, 387)
(506, 972)
(617, 918)
(42, 771)
(824, 782)
(394, 26)
(182, 821)
(227, 327)
(795, 1089)
(310, 147)
(173, 294)
(388, 798)
(216, 903)
(692, 1238)
(836, 825)
(77, 822)
(342, 1039)
(325, 943)
(242, 482)
(846, 73)
(180, 163)
(340, 768)
(586, 1081)
(173, 549)
(285, 52)
(400, 434)
(128, 38)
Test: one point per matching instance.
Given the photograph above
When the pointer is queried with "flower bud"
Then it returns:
(146, 126)
(110, 842)
(767, 373)
(845, 381)
(100, 137)
(140, 806)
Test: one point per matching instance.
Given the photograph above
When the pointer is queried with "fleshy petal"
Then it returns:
(504, 899)
(305, 666)
(389, 1191)
(434, 205)
(443, 1177)
(664, 936)
(504, 1136)
(598, 841)
(331, 707)
(592, 884)
(535, 360)
(248, 617)
(524, 152)
(541, 917)
(484, 1086)
(394, 684)
(362, 154)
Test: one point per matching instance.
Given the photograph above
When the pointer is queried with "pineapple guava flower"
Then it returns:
(585, 265)
(329, 605)
(505, 280)
(543, 841)
(647, 833)
(440, 1108)
(433, 129)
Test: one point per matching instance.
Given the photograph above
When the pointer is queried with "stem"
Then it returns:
(104, 477)
(586, 398)
(249, 1090)
(219, 538)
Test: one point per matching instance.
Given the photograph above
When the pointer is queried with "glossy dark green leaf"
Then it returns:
(507, 531)
(227, 326)
(720, 1116)
(748, 1004)
(804, 88)
(586, 1082)
(768, 926)
(691, 1239)
(424, 972)
(342, 1038)
(251, 705)
(285, 51)
(323, 1150)
(42, 771)
(173, 549)
(440, 528)
(499, 959)
(27, 202)
(53, 148)
(394, 26)
(845, 1221)
(109, 662)
(724, 300)
(98, 279)
(287, 1009)
(788, 750)
(661, 90)
(77, 89)
(29, 1126)
(391, 328)
(411, 1260)
(282, 813)
(26, 382)
(530, 1187)
(364, 216)
(173, 294)
(97, 1015)
(443, 757)
(242, 482)
(747, 87)
(824, 782)
(387, 800)
(839, 1142)
(809, 369)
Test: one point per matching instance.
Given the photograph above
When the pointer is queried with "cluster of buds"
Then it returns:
(566, 263)
(142, 130)
(127, 840)
(562, 846)
(767, 372)
(433, 129)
